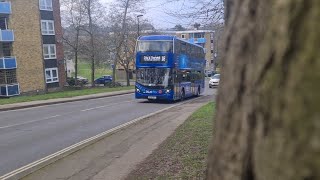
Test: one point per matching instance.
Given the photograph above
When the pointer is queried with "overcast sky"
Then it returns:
(156, 12)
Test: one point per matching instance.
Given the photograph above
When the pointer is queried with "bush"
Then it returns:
(71, 81)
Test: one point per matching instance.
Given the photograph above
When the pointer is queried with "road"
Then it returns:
(28, 135)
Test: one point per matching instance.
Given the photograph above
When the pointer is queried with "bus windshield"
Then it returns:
(154, 76)
(155, 46)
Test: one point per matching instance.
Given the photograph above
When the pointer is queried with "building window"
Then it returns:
(52, 75)
(183, 36)
(49, 51)
(3, 23)
(5, 50)
(8, 76)
(47, 27)
(199, 35)
(46, 5)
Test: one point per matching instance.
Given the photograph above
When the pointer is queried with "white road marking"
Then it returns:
(51, 117)
(13, 125)
(99, 107)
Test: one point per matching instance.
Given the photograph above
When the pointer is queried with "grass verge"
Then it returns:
(183, 155)
(62, 94)
(84, 70)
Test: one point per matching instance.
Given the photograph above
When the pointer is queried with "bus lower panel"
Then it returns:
(167, 97)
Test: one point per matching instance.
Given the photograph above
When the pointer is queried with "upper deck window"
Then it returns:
(155, 46)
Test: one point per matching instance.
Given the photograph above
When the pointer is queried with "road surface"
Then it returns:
(28, 135)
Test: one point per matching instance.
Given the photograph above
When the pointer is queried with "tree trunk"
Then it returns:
(123, 29)
(76, 50)
(91, 44)
(128, 77)
(267, 124)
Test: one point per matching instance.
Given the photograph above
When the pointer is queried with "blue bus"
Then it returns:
(168, 68)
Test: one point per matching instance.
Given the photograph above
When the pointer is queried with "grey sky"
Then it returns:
(156, 12)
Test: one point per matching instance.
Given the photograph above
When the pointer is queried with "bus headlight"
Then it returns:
(168, 91)
(138, 90)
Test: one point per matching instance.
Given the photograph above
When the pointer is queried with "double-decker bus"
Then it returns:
(168, 68)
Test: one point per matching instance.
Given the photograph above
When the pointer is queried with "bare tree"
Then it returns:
(127, 59)
(267, 121)
(73, 19)
(198, 11)
(92, 10)
(120, 33)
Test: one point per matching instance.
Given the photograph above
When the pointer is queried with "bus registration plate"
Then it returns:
(152, 97)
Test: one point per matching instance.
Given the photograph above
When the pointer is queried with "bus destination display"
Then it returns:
(153, 59)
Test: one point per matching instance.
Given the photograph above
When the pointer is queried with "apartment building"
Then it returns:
(31, 51)
(204, 38)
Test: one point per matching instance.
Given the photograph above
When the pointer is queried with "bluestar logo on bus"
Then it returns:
(149, 92)
(153, 59)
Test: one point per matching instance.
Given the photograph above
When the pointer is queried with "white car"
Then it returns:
(214, 81)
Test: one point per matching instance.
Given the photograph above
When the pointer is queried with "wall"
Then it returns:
(27, 47)
(59, 45)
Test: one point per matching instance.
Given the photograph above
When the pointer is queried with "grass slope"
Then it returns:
(84, 70)
(183, 155)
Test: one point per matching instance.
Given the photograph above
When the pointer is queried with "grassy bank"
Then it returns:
(183, 155)
(84, 70)
(62, 94)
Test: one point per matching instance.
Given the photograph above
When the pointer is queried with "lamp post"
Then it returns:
(140, 15)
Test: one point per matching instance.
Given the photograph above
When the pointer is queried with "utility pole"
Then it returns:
(140, 15)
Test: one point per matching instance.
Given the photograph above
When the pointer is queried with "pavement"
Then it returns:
(23, 105)
(116, 155)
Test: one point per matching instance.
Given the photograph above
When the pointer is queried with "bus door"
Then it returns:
(186, 84)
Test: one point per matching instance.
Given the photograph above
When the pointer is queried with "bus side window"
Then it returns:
(177, 47)
(193, 51)
(183, 47)
(188, 49)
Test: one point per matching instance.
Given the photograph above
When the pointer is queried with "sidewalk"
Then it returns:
(22, 105)
(115, 156)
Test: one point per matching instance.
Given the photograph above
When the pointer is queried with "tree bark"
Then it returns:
(267, 124)
(128, 76)
(76, 51)
(91, 43)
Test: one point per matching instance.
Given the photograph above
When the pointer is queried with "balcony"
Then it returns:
(5, 8)
(8, 63)
(198, 40)
(8, 90)
(6, 36)
(201, 40)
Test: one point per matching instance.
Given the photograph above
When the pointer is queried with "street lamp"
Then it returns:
(140, 15)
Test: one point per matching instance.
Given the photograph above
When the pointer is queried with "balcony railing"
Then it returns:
(5, 8)
(198, 40)
(8, 90)
(6, 36)
(201, 40)
(8, 63)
